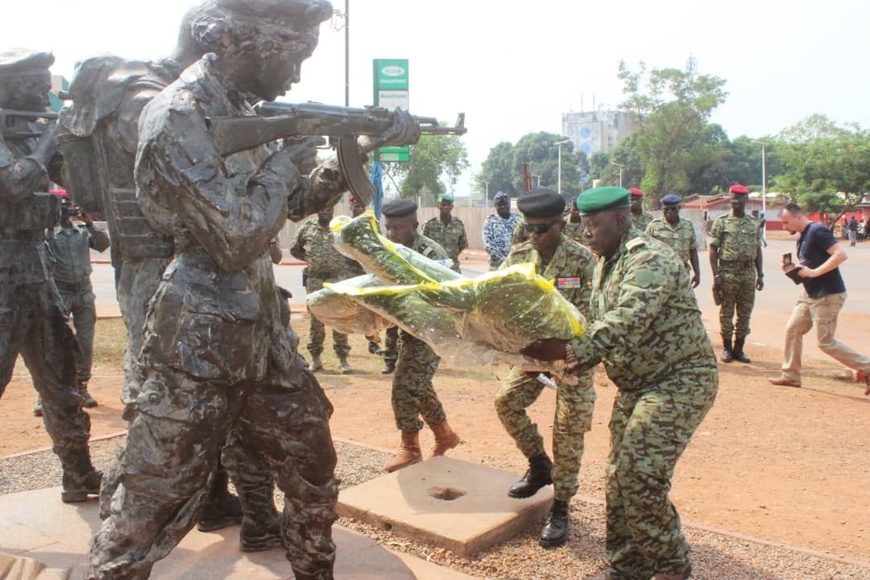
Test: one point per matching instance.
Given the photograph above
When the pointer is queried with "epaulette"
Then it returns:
(635, 243)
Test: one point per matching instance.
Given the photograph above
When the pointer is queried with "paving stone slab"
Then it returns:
(452, 504)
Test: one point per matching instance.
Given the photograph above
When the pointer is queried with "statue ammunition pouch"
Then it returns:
(84, 170)
(37, 213)
(137, 239)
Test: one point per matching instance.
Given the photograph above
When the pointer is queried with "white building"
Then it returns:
(595, 131)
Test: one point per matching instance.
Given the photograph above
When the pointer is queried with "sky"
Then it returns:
(515, 67)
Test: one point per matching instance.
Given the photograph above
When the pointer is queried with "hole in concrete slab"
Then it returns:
(387, 526)
(445, 493)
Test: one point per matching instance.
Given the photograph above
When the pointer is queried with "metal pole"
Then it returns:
(346, 53)
(763, 180)
(620, 176)
(559, 180)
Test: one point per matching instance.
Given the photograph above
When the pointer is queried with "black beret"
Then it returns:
(541, 202)
(399, 208)
(18, 61)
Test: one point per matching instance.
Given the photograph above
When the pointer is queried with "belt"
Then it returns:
(72, 286)
(23, 235)
(750, 261)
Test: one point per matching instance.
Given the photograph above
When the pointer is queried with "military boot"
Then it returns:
(80, 479)
(739, 355)
(555, 530)
(343, 366)
(538, 475)
(261, 524)
(222, 509)
(679, 576)
(375, 348)
(315, 364)
(389, 367)
(727, 351)
(445, 438)
(409, 452)
(90, 402)
(37, 407)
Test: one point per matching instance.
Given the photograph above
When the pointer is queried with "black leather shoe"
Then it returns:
(537, 476)
(389, 367)
(555, 530)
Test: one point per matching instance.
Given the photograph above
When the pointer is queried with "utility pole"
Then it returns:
(621, 167)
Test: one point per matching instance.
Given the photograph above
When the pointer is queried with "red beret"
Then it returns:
(738, 190)
(635, 191)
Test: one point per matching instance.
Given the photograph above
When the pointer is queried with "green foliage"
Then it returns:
(824, 165)
(674, 143)
(433, 159)
(502, 169)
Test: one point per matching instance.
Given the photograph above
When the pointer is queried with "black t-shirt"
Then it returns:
(812, 251)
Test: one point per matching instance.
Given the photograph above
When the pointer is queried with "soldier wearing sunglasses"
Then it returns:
(570, 265)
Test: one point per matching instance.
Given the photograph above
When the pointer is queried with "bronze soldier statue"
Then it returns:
(99, 135)
(33, 321)
(218, 356)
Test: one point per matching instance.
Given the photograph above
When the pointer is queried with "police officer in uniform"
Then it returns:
(735, 258)
(647, 330)
(570, 266)
(413, 395)
(34, 322)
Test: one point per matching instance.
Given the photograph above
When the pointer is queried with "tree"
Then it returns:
(671, 108)
(826, 166)
(433, 159)
(502, 169)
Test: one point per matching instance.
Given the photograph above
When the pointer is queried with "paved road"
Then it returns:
(772, 307)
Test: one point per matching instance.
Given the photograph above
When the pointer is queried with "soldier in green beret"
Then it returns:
(448, 231)
(647, 330)
(570, 265)
(413, 395)
(736, 262)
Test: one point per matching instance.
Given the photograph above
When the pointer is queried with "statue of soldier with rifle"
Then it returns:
(218, 356)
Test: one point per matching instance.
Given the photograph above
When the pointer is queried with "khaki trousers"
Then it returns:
(821, 312)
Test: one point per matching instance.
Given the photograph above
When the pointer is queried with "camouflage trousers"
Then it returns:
(649, 430)
(80, 306)
(413, 394)
(173, 444)
(573, 418)
(738, 293)
(391, 344)
(317, 331)
(33, 323)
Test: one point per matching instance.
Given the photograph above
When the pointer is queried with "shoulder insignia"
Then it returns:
(635, 243)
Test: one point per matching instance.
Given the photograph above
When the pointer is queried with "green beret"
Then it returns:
(20, 61)
(447, 197)
(541, 202)
(398, 208)
(603, 199)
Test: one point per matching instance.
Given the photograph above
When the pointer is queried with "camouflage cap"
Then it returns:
(398, 208)
(21, 61)
(541, 202)
(603, 199)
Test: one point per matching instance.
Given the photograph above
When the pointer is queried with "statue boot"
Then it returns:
(222, 509)
(445, 437)
(90, 402)
(80, 479)
(408, 453)
(261, 524)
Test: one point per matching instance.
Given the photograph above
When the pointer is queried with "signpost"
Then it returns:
(391, 91)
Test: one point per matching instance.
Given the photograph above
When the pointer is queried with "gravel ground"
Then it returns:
(715, 556)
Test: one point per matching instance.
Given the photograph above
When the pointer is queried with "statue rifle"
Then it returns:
(7, 129)
(341, 124)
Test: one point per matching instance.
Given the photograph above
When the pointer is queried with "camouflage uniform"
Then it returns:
(71, 269)
(738, 242)
(574, 230)
(218, 356)
(413, 395)
(33, 320)
(497, 233)
(680, 238)
(647, 329)
(451, 237)
(571, 269)
(641, 221)
(313, 244)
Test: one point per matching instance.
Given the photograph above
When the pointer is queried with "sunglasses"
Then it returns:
(538, 228)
